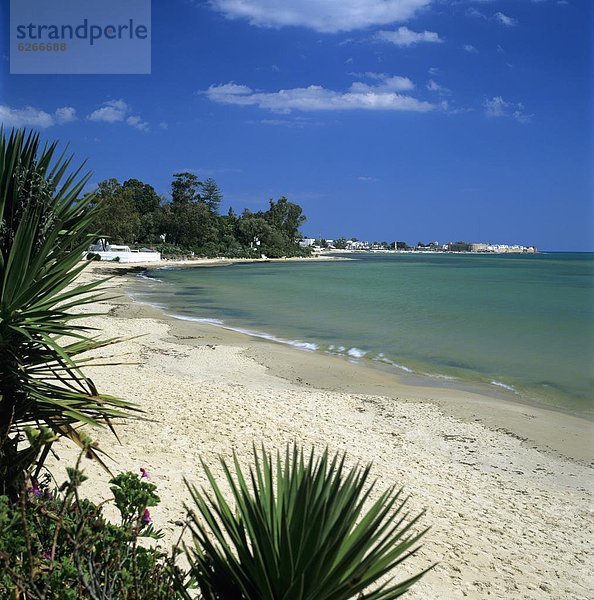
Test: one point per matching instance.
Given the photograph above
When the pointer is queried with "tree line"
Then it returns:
(190, 221)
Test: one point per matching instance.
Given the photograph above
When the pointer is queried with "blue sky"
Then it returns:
(413, 120)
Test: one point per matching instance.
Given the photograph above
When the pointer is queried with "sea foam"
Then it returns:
(504, 386)
(356, 352)
(308, 346)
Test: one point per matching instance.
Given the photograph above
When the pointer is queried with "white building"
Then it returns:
(123, 254)
(351, 245)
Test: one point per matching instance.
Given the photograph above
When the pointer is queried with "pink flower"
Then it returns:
(34, 489)
(46, 554)
(146, 517)
(144, 473)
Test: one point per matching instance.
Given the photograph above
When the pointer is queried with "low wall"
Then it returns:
(131, 257)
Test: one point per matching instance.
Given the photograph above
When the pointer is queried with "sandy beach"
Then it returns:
(507, 487)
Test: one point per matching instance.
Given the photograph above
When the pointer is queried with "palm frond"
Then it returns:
(299, 528)
(45, 228)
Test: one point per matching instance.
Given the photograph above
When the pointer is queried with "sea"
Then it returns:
(515, 322)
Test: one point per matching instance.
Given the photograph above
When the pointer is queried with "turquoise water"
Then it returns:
(524, 322)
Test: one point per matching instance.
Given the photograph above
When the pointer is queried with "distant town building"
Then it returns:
(435, 246)
(458, 247)
(491, 248)
(357, 245)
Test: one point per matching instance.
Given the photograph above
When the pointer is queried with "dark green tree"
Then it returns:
(143, 196)
(185, 189)
(190, 223)
(118, 219)
(211, 194)
(286, 216)
(253, 227)
(147, 205)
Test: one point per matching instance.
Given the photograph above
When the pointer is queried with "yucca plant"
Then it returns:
(304, 529)
(45, 227)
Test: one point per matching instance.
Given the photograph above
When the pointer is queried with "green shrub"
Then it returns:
(45, 228)
(53, 544)
(172, 251)
(300, 531)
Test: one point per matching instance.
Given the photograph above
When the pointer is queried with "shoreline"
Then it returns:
(551, 428)
(548, 429)
(493, 391)
(508, 519)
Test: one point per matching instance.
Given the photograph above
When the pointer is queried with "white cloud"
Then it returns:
(25, 117)
(469, 48)
(505, 20)
(386, 83)
(111, 112)
(360, 96)
(403, 36)
(34, 117)
(117, 111)
(327, 16)
(444, 105)
(368, 179)
(66, 114)
(136, 122)
(433, 86)
(473, 12)
(498, 107)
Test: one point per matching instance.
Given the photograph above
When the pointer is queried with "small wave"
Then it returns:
(137, 297)
(311, 347)
(356, 352)
(383, 359)
(197, 319)
(143, 275)
(258, 334)
(441, 376)
(308, 346)
(339, 349)
(504, 386)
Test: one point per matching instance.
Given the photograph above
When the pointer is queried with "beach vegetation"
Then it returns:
(189, 223)
(56, 544)
(45, 229)
(300, 526)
